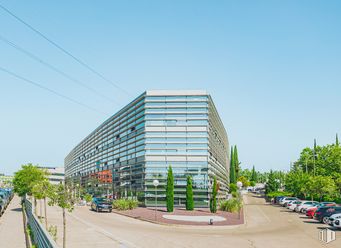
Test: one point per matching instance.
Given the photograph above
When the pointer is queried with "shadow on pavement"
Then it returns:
(312, 222)
(16, 209)
(304, 217)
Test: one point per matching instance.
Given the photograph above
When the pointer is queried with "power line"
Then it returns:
(36, 58)
(63, 50)
(49, 90)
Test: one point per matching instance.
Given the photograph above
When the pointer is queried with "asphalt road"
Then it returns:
(266, 226)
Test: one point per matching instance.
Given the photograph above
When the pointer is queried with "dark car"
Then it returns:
(277, 199)
(2, 206)
(101, 204)
(323, 213)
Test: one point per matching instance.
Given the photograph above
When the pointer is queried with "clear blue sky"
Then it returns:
(272, 68)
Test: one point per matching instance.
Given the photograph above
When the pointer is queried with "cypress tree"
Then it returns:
(236, 162)
(337, 140)
(213, 200)
(232, 168)
(170, 190)
(253, 175)
(189, 194)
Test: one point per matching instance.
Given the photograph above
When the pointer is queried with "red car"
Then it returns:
(311, 211)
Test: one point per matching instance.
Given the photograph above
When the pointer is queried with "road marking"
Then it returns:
(122, 243)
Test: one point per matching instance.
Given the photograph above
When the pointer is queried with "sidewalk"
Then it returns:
(11, 226)
(79, 233)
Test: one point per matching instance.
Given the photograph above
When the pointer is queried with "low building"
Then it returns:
(5, 180)
(56, 174)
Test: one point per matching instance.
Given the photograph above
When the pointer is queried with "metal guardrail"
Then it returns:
(40, 235)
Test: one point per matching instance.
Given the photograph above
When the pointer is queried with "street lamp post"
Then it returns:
(239, 185)
(155, 183)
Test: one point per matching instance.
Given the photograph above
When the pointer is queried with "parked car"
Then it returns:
(2, 206)
(299, 208)
(337, 223)
(292, 204)
(332, 218)
(277, 199)
(311, 210)
(5, 197)
(322, 214)
(284, 201)
(100, 204)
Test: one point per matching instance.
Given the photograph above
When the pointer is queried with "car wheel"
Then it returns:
(325, 220)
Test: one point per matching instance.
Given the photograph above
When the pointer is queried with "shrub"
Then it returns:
(213, 200)
(233, 188)
(88, 198)
(231, 205)
(189, 194)
(170, 190)
(278, 193)
(53, 232)
(125, 204)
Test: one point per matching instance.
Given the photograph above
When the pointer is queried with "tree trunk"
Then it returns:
(45, 209)
(64, 229)
(35, 206)
(41, 208)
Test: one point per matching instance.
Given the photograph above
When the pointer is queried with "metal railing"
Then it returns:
(40, 235)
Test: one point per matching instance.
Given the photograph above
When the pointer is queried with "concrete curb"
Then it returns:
(182, 226)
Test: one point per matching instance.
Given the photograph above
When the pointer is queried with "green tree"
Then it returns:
(189, 194)
(236, 162)
(170, 190)
(322, 185)
(244, 181)
(245, 173)
(62, 196)
(213, 200)
(297, 182)
(338, 182)
(253, 175)
(337, 140)
(41, 190)
(25, 179)
(326, 160)
(232, 168)
(271, 185)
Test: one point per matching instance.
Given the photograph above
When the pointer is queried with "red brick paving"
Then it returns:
(148, 214)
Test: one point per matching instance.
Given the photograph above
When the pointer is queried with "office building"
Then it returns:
(158, 129)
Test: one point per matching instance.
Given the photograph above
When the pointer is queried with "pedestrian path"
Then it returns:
(11, 226)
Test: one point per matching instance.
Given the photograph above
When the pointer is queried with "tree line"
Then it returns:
(316, 175)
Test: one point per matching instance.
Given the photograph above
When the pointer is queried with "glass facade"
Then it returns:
(158, 129)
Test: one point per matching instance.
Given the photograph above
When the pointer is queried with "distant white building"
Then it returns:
(5, 181)
(56, 174)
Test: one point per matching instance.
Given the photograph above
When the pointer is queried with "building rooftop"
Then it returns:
(176, 92)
